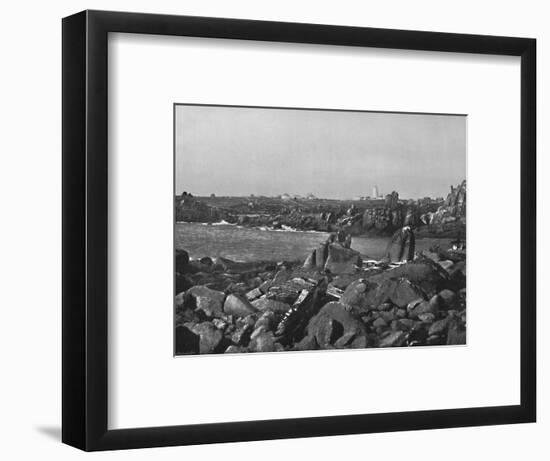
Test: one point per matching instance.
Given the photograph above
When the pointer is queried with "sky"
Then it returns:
(238, 151)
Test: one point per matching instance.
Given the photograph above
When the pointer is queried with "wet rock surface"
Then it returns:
(332, 300)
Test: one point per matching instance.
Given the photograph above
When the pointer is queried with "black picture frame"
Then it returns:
(85, 220)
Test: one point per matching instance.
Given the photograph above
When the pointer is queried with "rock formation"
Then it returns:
(331, 301)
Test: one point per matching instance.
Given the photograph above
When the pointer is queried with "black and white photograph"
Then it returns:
(316, 229)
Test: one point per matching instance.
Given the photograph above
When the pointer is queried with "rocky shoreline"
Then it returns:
(332, 300)
(427, 217)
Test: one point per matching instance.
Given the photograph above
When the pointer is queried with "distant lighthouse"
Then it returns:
(375, 192)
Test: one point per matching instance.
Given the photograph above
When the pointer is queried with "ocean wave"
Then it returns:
(223, 222)
(285, 228)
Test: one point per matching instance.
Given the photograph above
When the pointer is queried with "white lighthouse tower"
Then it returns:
(375, 192)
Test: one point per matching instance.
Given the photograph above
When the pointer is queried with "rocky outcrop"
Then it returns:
(237, 306)
(330, 302)
(383, 217)
(337, 327)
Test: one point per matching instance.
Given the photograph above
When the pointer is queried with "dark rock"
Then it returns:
(187, 342)
(310, 261)
(438, 327)
(183, 283)
(321, 254)
(206, 300)
(355, 293)
(282, 275)
(366, 294)
(243, 330)
(401, 313)
(448, 298)
(418, 336)
(268, 320)
(342, 281)
(403, 324)
(456, 334)
(435, 304)
(334, 292)
(342, 260)
(184, 315)
(458, 269)
(210, 336)
(182, 260)
(426, 317)
(224, 263)
(422, 272)
(388, 316)
(292, 326)
(181, 299)
(195, 267)
(425, 307)
(333, 321)
(379, 323)
(351, 341)
(254, 294)
(435, 340)
(207, 261)
(237, 289)
(394, 339)
(401, 246)
(308, 343)
(405, 292)
(265, 304)
(433, 255)
(219, 324)
(237, 306)
(447, 264)
(262, 342)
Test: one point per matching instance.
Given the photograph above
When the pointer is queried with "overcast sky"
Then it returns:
(241, 151)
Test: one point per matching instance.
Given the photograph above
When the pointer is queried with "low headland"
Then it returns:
(428, 217)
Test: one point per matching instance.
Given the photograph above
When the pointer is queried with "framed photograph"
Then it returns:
(265, 230)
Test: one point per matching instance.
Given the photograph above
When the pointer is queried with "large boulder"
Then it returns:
(183, 283)
(404, 293)
(448, 298)
(421, 307)
(333, 322)
(182, 259)
(365, 294)
(207, 300)
(423, 272)
(243, 330)
(321, 254)
(210, 336)
(187, 342)
(308, 343)
(360, 294)
(267, 321)
(342, 260)
(238, 306)
(456, 334)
